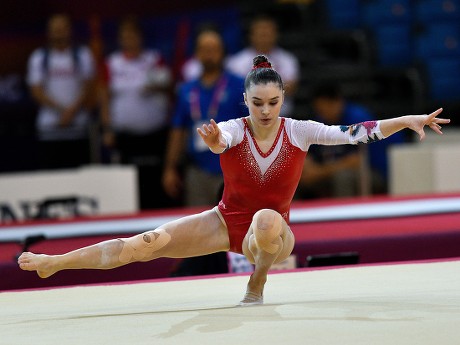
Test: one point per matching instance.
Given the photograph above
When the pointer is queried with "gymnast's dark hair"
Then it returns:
(262, 73)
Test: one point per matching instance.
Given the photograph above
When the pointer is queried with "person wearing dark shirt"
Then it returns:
(336, 171)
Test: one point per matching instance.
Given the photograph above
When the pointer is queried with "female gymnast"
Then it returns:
(262, 157)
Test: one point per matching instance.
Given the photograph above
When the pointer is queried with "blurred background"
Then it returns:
(392, 57)
(367, 59)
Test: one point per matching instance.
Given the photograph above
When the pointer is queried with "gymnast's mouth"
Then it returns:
(265, 121)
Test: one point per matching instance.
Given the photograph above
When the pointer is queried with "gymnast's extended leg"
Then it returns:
(268, 241)
(194, 235)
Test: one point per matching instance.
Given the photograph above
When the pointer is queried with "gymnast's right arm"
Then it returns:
(212, 136)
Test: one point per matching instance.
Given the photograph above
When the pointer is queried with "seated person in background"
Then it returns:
(334, 171)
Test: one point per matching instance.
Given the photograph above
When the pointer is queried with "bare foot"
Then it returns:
(254, 291)
(37, 262)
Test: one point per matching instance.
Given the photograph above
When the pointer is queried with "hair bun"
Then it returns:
(261, 61)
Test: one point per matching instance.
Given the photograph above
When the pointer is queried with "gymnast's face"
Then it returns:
(264, 102)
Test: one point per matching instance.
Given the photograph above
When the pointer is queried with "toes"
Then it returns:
(22, 260)
(24, 257)
(24, 263)
(24, 266)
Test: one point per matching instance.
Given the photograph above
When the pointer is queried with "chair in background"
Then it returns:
(443, 74)
(343, 14)
(388, 22)
(380, 12)
(436, 11)
(394, 45)
(438, 40)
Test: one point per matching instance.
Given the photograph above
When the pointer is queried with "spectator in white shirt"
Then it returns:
(263, 40)
(135, 109)
(60, 76)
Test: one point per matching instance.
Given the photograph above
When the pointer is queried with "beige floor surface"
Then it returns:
(390, 304)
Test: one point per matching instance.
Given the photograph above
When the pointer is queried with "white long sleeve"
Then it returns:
(305, 133)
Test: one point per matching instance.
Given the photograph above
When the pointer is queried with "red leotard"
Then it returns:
(247, 189)
(254, 180)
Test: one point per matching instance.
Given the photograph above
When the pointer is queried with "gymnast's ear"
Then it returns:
(245, 99)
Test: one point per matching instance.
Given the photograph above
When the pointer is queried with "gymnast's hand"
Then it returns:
(212, 136)
(418, 122)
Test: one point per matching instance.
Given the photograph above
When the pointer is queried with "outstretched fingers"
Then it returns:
(432, 118)
(211, 135)
(435, 127)
(208, 129)
(214, 124)
(433, 122)
(434, 114)
(204, 131)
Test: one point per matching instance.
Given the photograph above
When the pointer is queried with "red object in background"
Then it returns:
(376, 240)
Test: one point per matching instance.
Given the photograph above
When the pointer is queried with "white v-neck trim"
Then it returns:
(264, 162)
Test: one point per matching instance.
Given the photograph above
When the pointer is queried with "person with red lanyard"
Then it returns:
(216, 94)
(262, 158)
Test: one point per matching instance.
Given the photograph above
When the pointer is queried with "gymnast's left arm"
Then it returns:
(416, 123)
(370, 131)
